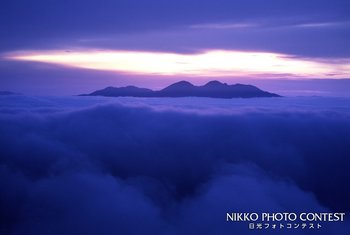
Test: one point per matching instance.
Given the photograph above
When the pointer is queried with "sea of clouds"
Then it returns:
(94, 165)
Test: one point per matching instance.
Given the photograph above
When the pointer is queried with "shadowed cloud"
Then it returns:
(102, 169)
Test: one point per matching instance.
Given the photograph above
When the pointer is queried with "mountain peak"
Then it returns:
(214, 83)
(178, 89)
(182, 84)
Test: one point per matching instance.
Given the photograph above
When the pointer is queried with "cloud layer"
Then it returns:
(116, 169)
(41, 24)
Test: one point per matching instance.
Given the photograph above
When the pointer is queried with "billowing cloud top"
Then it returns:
(86, 165)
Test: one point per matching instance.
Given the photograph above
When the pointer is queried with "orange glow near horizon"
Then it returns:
(214, 63)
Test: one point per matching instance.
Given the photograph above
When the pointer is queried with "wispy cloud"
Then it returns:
(224, 26)
(323, 24)
(269, 23)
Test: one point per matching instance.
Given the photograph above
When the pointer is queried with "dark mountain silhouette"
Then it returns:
(179, 89)
(123, 91)
(213, 89)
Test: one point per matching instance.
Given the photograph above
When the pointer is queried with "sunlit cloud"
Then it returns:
(212, 63)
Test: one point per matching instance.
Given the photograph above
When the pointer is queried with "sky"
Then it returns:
(71, 47)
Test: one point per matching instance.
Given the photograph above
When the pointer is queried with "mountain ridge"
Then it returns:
(212, 89)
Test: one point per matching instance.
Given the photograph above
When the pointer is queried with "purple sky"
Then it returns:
(306, 40)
